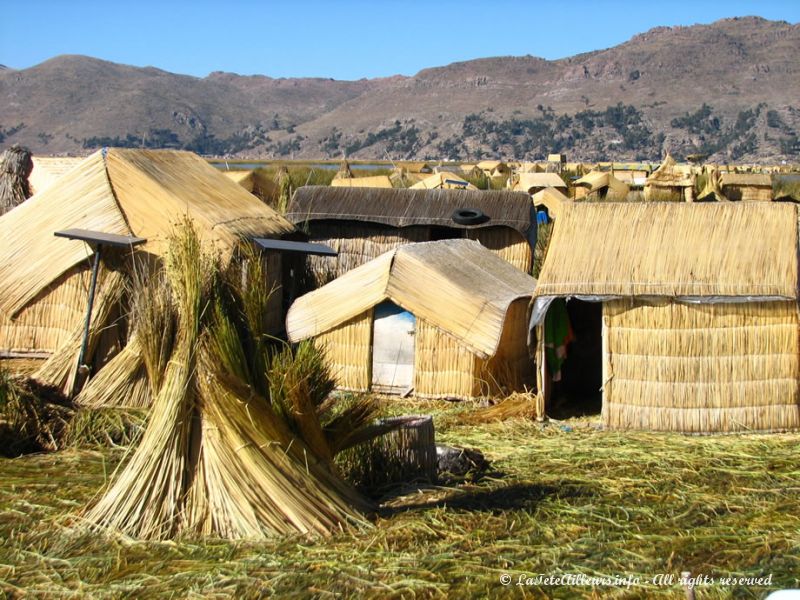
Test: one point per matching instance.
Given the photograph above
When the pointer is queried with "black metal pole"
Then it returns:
(92, 288)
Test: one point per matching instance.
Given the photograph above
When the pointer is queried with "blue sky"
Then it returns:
(344, 40)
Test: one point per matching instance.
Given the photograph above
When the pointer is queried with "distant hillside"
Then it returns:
(729, 90)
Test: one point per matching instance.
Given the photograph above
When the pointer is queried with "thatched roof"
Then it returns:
(443, 180)
(127, 192)
(787, 187)
(747, 179)
(674, 250)
(456, 285)
(405, 207)
(47, 169)
(376, 181)
(255, 181)
(530, 181)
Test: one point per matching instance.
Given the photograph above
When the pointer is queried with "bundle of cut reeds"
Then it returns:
(16, 165)
(240, 439)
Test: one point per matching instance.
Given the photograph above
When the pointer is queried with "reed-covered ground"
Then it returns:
(563, 498)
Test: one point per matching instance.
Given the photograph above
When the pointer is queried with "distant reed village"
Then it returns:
(325, 351)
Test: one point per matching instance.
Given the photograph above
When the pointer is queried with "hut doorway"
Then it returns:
(392, 349)
(579, 391)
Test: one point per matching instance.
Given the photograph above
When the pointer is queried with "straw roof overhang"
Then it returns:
(140, 193)
(529, 181)
(457, 285)
(406, 207)
(699, 252)
(747, 179)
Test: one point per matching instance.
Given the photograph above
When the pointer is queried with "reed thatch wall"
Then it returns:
(348, 351)
(506, 243)
(356, 243)
(747, 186)
(701, 367)
(511, 369)
(46, 323)
(443, 368)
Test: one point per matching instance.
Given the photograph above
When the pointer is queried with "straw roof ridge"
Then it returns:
(673, 250)
(747, 179)
(405, 207)
(457, 285)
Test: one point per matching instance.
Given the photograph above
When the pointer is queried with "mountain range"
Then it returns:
(729, 90)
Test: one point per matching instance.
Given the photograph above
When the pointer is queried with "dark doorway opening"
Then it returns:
(578, 393)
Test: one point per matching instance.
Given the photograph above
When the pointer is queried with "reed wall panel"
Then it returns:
(444, 368)
(511, 369)
(702, 367)
(506, 243)
(48, 321)
(747, 193)
(348, 351)
(356, 245)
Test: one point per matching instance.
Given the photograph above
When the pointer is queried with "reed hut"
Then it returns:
(683, 320)
(747, 186)
(363, 223)
(600, 185)
(258, 183)
(494, 168)
(48, 169)
(531, 183)
(143, 193)
(376, 181)
(446, 319)
(551, 200)
(669, 183)
(443, 180)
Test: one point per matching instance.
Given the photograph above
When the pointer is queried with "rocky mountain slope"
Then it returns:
(729, 89)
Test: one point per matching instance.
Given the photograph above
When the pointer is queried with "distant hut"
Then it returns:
(669, 183)
(443, 181)
(550, 199)
(143, 193)
(258, 183)
(600, 185)
(712, 188)
(531, 183)
(444, 319)
(375, 181)
(683, 318)
(15, 167)
(363, 223)
(747, 186)
(494, 168)
(48, 169)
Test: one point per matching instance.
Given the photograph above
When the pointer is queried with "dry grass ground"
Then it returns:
(565, 498)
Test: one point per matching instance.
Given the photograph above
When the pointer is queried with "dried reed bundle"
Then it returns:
(33, 417)
(122, 382)
(228, 453)
(15, 168)
(516, 406)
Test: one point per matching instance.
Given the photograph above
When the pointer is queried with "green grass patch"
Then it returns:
(564, 498)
